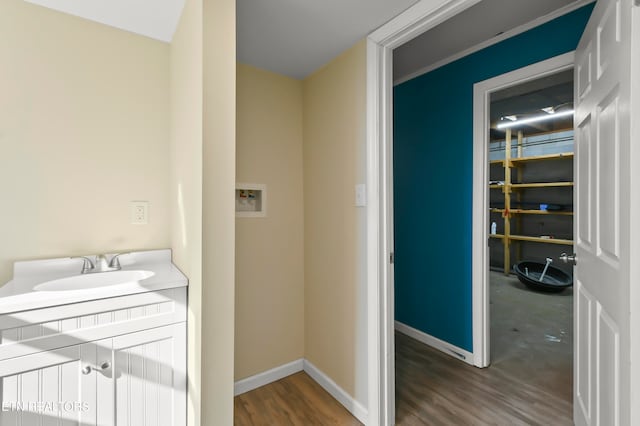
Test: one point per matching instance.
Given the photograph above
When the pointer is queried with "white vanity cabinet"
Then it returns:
(113, 361)
(49, 376)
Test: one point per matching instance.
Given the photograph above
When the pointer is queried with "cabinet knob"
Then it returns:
(104, 366)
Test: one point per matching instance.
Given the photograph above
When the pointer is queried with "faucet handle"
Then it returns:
(87, 265)
(115, 262)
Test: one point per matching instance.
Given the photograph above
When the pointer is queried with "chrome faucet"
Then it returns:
(114, 263)
(87, 266)
(101, 264)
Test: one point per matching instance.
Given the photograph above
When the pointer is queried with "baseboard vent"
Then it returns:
(436, 343)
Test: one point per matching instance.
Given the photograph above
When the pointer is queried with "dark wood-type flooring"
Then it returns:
(295, 400)
(435, 389)
(528, 383)
(530, 379)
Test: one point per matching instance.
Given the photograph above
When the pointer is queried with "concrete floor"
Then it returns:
(532, 335)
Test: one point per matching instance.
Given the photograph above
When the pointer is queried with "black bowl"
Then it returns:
(554, 281)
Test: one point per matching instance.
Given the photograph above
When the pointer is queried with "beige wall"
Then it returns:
(334, 162)
(92, 118)
(203, 79)
(269, 250)
(186, 180)
(84, 113)
(218, 239)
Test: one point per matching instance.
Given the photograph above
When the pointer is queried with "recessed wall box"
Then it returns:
(251, 200)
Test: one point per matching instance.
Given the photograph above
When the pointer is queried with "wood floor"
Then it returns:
(529, 381)
(294, 400)
(433, 388)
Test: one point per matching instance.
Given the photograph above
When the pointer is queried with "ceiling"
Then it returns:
(290, 37)
(527, 100)
(296, 37)
(478, 23)
(157, 19)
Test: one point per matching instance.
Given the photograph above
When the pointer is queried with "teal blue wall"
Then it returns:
(433, 119)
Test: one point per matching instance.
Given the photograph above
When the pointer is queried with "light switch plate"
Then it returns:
(139, 212)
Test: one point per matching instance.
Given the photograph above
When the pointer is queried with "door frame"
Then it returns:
(419, 18)
(480, 258)
(414, 21)
(380, 345)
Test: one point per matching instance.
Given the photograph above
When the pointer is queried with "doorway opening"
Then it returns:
(531, 215)
(604, 233)
(515, 378)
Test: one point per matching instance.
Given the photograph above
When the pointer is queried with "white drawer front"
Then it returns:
(29, 332)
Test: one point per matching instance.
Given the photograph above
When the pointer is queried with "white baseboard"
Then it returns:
(266, 377)
(277, 373)
(436, 343)
(349, 402)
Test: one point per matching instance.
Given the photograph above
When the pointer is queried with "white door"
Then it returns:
(49, 388)
(150, 380)
(602, 226)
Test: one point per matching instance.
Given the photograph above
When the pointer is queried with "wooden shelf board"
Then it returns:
(541, 240)
(525, 211)
(540, 185)
(561, 156)
(533, 158)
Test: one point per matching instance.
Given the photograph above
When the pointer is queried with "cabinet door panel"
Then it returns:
(150, 377)
(48, 388)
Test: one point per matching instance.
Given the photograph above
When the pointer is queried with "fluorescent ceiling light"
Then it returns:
(535, 119)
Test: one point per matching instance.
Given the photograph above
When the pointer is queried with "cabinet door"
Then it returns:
(49, 388)
(149, 369)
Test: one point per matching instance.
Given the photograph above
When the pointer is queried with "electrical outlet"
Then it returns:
(139, 212)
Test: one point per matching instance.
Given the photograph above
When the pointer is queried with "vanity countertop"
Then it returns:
(19, 293)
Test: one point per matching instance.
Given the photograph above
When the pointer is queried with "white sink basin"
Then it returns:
(100, 279)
